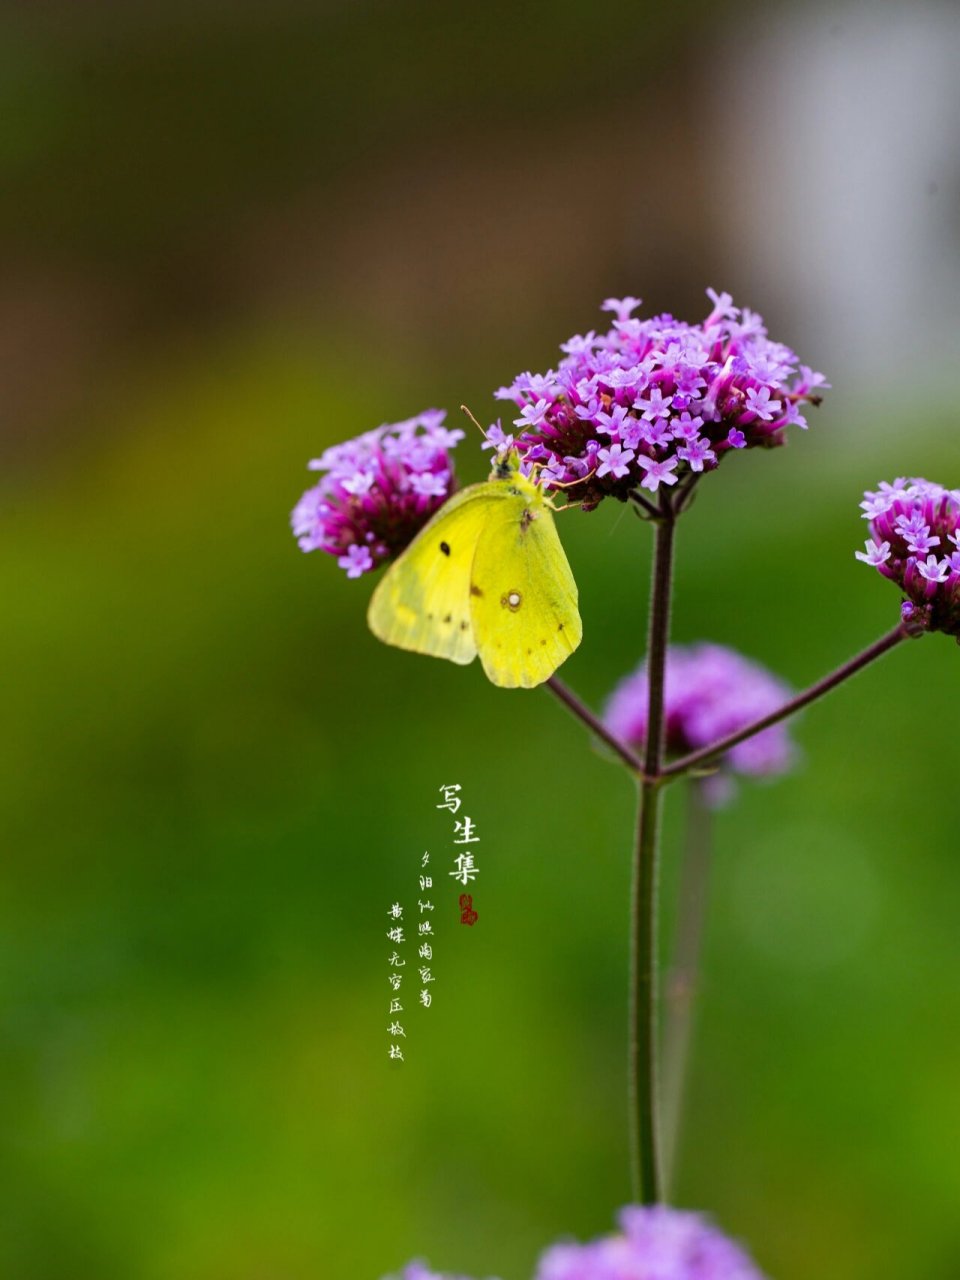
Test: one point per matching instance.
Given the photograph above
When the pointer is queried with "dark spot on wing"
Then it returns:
(464, 624)
(475, 590)
(543, 642)
(560, 628)
(448, 617)
(529, 651)
(445, 548)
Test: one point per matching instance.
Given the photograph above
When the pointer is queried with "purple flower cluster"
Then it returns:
(915, 541)
(378, 492)
(654, 1244)
(709, 692)
(653, 402)
(657, 1244)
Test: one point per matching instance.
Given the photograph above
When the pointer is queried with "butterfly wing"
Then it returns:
(524, 599)
(422, 603)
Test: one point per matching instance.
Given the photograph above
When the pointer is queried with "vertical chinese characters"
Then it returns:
(425, 934)
(465, 864)
(401, 931)
(395, 934)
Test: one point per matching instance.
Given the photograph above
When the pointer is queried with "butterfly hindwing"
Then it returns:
(523, 596)
(486, 575)
(423, 601)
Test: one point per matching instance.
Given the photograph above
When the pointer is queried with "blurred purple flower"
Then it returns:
(654, 1244)
(709, 692)
(378, 491)
(657, 1243)
(675, 395)
(915, 527)
(417, 1271)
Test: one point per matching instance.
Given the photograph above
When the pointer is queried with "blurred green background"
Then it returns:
(233, 234)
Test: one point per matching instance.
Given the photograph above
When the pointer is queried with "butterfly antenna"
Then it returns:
(464, 409)
(568, 484)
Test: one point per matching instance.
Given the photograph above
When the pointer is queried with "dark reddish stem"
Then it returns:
(683, 977)
(594, 724)
(644, 505)
(644, 1141)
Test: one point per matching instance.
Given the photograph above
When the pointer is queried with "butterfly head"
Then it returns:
(506, 464)
(524, 477)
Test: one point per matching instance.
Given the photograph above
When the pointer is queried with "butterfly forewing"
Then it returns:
(423, 601)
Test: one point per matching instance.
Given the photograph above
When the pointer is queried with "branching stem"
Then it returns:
(709, 754)
(594, 724)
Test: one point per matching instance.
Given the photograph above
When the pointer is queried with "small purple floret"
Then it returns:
(698, 454)
(874, 555)
(378, 491)
(357, 561)
(614, 461)
(709, 692)
(657, 473)
(908, 520)
(678, 396)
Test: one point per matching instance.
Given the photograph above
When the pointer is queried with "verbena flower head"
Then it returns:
(709, 692)
(654, 402)
(915, 541)
(656, 1243)
(377, 492)
(653, 1244)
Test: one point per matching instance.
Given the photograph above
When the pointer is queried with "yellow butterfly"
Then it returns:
(487, 575)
